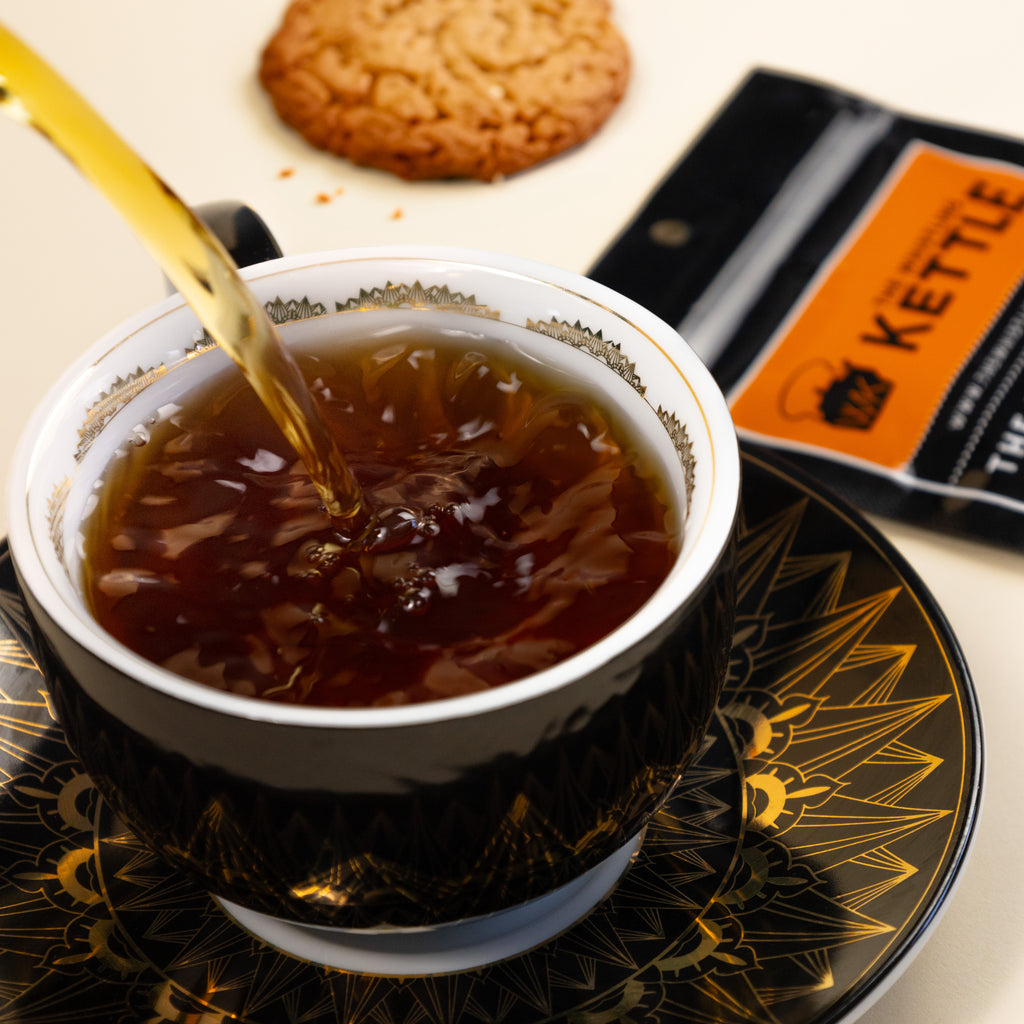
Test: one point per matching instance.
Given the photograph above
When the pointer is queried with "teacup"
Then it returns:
(522, 803)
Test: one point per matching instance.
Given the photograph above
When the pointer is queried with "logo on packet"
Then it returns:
(852, 398)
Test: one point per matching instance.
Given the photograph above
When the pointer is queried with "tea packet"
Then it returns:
(854, 278)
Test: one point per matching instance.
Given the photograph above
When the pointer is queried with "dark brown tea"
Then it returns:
(516, 524)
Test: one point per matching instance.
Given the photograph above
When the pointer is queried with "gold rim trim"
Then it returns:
(388, 296)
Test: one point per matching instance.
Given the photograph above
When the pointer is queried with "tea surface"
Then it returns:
(518, 524)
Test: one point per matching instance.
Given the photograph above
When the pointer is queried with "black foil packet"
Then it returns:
(854, 278)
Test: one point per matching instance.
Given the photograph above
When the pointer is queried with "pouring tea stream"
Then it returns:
(194, 261)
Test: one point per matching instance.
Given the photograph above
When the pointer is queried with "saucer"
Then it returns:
(799, 865)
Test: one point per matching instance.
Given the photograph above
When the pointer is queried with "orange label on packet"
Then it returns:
(864, 359)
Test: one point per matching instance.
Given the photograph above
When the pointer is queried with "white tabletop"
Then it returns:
(177, 80)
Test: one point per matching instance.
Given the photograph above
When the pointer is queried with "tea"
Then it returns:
(517, 522)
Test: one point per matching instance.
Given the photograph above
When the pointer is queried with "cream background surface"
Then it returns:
(178, 82)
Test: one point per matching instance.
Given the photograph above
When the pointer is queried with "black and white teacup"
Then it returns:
(477, 824)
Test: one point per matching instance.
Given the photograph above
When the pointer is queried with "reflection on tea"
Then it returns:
(518, 523)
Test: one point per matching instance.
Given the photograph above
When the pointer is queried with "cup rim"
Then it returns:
(701, 562)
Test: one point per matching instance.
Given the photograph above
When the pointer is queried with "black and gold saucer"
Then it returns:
(798, 867)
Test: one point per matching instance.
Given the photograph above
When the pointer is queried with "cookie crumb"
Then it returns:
(286, 172)
(322, 198)
(397, 213)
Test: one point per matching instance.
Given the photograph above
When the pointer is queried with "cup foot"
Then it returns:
(442, 949)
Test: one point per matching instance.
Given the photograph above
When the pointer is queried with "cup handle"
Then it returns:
(241, 230)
